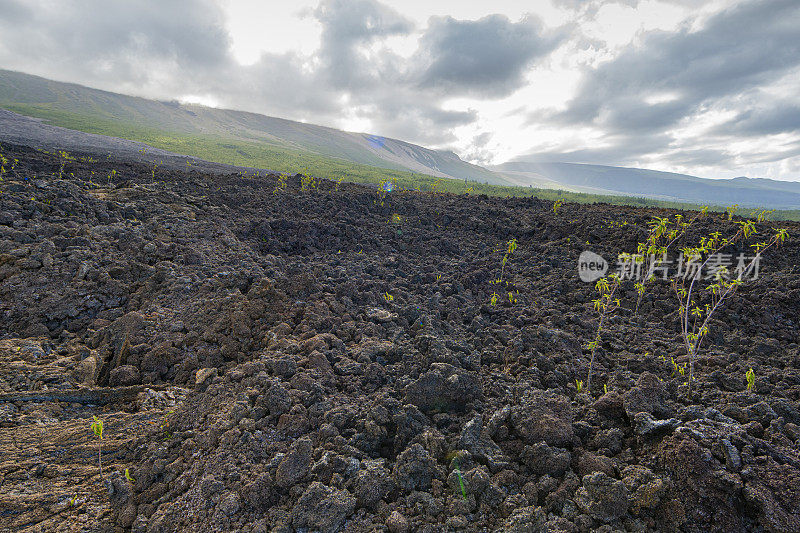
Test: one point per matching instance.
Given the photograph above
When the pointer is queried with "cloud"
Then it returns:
(705, 93)
(743, 47)
(667, 84)
(171, 49)
(487, 57)
(348, 26)
(619, 149)
(137, 43)
(765, 118)
(478, 150)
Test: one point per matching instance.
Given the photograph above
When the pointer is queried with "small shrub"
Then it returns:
(695, 316)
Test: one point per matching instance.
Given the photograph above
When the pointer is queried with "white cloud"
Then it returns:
(701, 87)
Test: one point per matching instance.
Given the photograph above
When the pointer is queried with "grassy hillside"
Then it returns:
(179, 130)
(94, 111)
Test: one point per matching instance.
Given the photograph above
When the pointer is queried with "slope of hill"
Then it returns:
(227, 136)
(252, 140)
(600, 179)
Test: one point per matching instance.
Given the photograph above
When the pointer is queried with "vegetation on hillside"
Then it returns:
(278, 158)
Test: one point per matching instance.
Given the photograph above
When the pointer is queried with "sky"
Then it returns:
(708, 88)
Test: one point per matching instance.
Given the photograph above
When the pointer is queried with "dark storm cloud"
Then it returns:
(487, 57)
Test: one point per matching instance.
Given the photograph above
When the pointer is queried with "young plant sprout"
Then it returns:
(751, 379)
(63, 157)
(280, 185)
(460, 479)
(605, 305)
(97, 429)
(7, 166)
(307, 182)
(511, 247)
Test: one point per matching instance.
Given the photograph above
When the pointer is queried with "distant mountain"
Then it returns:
(36, 96)
(600, 179)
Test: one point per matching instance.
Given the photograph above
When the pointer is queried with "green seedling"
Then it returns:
(510, 249)
(63, 157)
(280, 185)
(128, 476)
(388, 297)
(751, 379)
(605, 388)
(460, 480)
(557, 205)
(307, 183)
(579, 385)
(493, 300)
(605, 305)
(97, 429)
(7, 166)
(164, 427)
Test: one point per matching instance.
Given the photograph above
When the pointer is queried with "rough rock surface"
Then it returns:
(268, 358)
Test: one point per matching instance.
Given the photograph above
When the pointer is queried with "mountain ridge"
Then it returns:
(627, 181)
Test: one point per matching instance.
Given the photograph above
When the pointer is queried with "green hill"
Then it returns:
(222, 135)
